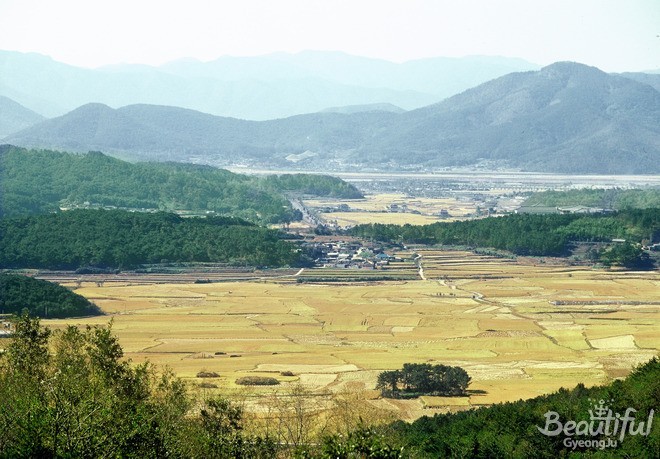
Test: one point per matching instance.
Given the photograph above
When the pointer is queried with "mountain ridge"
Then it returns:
(566, 117)
(256, 88)
(15, 117)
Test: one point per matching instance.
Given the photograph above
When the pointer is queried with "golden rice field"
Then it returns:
(519, 329)
(347, 219)
(374, 209)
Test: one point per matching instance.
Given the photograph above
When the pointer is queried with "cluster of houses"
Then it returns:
(347, 255)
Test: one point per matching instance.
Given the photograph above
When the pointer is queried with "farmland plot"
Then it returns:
(518, 329)
(393, 208)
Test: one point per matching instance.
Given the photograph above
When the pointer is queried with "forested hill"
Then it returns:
(525, 234)
(38, 181)
(318, 185)
(612, 198)
(41, 298)
(121, 239)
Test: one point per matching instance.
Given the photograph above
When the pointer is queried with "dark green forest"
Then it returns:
(122, 239)
(40, 181)
(41, 298)
(525, 234)
(613, 198)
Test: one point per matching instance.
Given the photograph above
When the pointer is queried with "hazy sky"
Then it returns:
(614, 35)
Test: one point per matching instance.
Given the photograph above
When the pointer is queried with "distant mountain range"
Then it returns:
(652, 79)
(385, 107)
(255, 88)
(14, 117)
(566, 117)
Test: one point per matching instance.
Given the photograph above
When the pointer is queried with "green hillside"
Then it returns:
(121, 239)
(38, 181)
(319, 185)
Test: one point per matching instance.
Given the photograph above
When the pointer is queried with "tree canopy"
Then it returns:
(318, 185)
(41, 298)
(121, 239)
(525, 234)
(69, 393)
(416, 379)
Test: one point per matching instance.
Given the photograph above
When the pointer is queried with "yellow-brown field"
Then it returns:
(345, 219)
(381, 202)
(519, 330)
(375, 208)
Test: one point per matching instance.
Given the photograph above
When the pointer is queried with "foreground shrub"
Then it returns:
(363, 443)
(69, 393)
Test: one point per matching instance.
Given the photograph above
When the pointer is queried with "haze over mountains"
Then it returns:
(15, 117)
(566, 117)
(256, 88)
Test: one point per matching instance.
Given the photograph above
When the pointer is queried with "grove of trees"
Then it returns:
(317, 185)
(626, 255)
(416, 379)
(70, 393)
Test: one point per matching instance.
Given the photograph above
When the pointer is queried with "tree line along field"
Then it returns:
(518, 329)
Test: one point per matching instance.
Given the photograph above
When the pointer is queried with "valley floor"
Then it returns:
(519, 329)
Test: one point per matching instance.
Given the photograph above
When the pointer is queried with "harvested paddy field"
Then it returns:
(348, 219)
(392, 208)
(519, 328)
